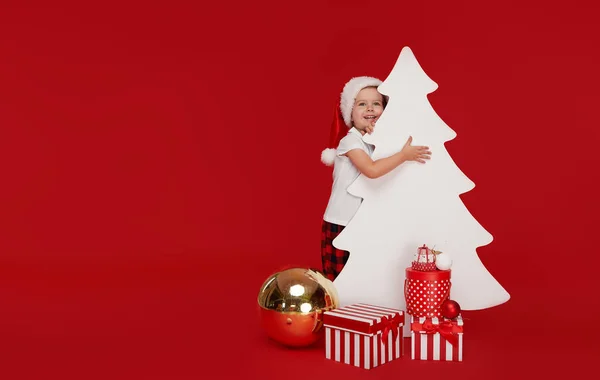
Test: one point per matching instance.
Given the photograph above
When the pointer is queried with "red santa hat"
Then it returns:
(342, 115)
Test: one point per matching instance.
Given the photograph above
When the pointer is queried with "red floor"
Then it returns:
(174, 320)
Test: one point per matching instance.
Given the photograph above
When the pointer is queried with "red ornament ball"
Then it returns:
(450, 309)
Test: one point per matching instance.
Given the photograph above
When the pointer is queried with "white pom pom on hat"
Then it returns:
(328, 156)
(342, 119)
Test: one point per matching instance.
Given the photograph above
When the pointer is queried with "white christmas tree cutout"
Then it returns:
(415, 204)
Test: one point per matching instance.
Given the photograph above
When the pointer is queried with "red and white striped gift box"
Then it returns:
(355, 335)
(435, 339)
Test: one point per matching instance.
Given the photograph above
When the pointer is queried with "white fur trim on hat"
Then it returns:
(348, 96)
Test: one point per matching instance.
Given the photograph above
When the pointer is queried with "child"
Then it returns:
(360, 107)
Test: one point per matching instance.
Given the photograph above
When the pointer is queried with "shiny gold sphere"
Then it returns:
(291, 305)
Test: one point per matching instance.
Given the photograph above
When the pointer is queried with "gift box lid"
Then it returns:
(363, 318)
(448, 328)
(436, 321)
(435, 275)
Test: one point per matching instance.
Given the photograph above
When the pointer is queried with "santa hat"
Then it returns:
(342, 115)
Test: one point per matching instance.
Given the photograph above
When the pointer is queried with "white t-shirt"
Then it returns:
(342, 205)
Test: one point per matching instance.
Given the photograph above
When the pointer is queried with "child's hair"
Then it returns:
(342, 118)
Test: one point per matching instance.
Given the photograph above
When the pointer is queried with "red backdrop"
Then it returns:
(159, 162)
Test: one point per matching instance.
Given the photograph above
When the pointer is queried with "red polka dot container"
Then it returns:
(426, 291)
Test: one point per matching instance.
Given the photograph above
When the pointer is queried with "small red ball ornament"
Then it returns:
(450, 309)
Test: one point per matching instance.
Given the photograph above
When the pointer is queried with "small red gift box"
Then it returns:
(426, 291)
(363, 335)
(424, 259)
(436, 339)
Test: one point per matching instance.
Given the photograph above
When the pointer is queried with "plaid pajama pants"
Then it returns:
(333, 259)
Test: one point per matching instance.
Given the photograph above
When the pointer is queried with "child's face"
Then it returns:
(368, 106)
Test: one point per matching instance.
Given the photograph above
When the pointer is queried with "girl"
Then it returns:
(360, 107)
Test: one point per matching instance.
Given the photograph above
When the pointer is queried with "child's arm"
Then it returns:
(375, 169)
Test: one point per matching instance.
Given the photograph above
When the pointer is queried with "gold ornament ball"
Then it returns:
(291, 305)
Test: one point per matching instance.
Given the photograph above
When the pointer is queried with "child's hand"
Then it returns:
(415, 153)
(369, 129)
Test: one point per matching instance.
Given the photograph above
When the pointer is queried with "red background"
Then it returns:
(159, 162)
